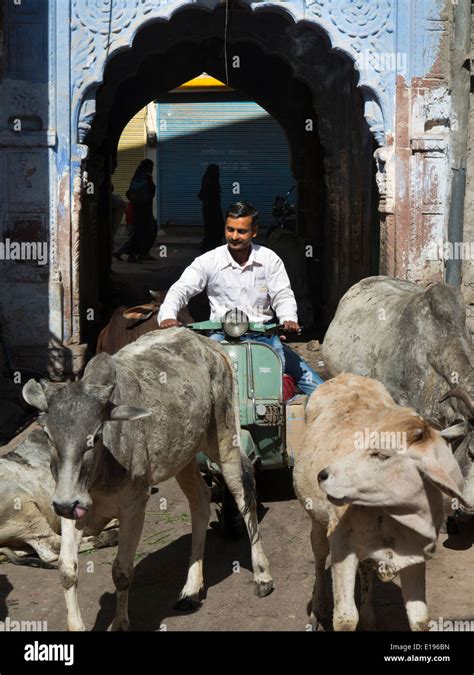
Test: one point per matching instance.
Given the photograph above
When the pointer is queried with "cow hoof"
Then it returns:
(317, 625)
(188, 603)
(344, 625)
(106, 538)
(263, 588)
(452, 526)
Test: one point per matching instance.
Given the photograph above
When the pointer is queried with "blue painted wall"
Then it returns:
(25, 157)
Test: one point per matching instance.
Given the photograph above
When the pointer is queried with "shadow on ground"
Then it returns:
(5, 588)
(159, 577)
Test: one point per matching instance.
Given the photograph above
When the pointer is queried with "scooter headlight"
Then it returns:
(235, 323)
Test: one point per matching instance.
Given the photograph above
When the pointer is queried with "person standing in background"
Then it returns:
(141, 194)
(210, 195)
(129, 217)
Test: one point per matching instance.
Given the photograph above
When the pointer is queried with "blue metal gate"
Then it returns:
(249, 146)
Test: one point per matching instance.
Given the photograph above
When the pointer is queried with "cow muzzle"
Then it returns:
(326, 483)
(72, 510)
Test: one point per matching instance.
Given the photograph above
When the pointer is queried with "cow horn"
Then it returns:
(461, 394)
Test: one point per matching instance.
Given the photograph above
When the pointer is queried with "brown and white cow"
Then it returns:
(128, 323)
(374, 478)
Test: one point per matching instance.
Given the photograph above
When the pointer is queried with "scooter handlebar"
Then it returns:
(281, 328)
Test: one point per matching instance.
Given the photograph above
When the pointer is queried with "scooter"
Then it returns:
(271, 428)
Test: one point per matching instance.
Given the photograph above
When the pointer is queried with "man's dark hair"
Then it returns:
(241, 210)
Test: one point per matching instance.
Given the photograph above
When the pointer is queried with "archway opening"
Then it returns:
(289, 70)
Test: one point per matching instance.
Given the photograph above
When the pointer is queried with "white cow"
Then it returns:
(27, 519)
(374, 478)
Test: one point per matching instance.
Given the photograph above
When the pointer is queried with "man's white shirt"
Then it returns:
(255, 287)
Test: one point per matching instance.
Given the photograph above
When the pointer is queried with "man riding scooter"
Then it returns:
(246, 276)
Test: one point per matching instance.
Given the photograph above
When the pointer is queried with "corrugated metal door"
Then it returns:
(249, 146)
(131, 151)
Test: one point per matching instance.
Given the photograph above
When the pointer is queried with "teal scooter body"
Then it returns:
(260, 384)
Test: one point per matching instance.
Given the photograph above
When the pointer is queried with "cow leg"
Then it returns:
(247, 505)
(105, 539)
(320, 546)
(47, 547)
(223, 444)
(131, 523)
(366, 574)
(199, 496)
(344, 571)
(45, 542)
(68, 571)
(412, 581)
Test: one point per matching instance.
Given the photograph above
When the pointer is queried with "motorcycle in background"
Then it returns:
(282, 238)
(284, 214)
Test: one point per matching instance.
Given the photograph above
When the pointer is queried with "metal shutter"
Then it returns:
(241, 137)
(131, 151)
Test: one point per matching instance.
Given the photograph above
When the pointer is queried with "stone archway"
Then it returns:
(357, 39)
(300, 45)
(407, 90)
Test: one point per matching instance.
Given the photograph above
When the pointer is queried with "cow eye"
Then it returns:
(380, 455)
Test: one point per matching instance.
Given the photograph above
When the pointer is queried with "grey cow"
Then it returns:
(415, 341)
(138, 418)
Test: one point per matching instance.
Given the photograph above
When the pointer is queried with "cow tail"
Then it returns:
(248, 481)
(233, 422)
(232, 413)
(30, 561)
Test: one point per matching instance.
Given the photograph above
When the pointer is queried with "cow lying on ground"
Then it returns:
(374, 478)
(128, 323)
(27, 519)
(107, 452)
(415, 340)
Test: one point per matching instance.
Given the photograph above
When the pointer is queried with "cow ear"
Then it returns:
(435, 473)
(100, 392)
(140, 312)
(33, 393)
(456, 431)
(128, 412)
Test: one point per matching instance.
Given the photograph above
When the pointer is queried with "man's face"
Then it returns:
(239, 232)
